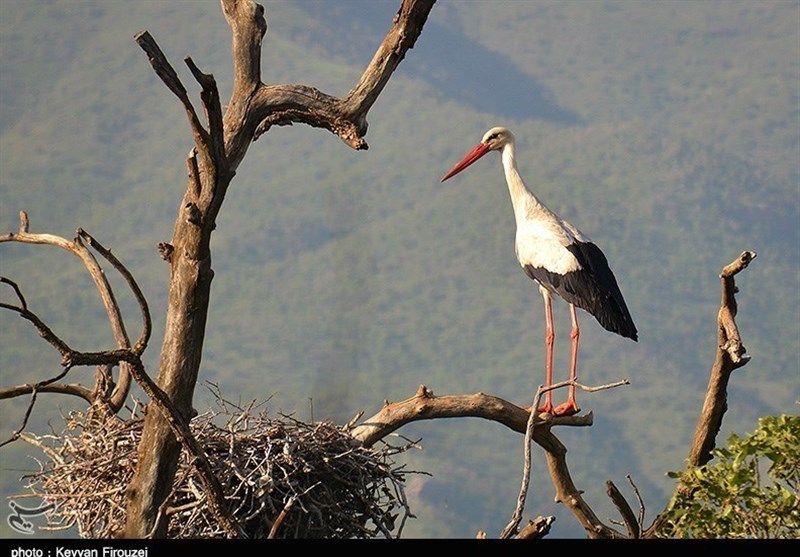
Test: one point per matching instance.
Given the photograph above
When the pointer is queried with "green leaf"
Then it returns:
(729, 499)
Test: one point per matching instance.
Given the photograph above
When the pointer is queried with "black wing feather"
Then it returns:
(592, 288)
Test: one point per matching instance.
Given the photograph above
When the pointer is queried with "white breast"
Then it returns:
(542, 242)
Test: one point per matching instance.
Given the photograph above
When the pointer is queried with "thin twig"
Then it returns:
(597, 388)
(516, 517)
(147, 324)
(37, 443)
(278, 521)
(44, 331)
(34, 391)
(638, 498)
(22, 303)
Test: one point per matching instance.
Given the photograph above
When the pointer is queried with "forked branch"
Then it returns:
(126, 357)
(425, 406)
(34, 391)
(78, 248)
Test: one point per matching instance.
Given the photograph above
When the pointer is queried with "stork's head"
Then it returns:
(497, 138)
(493, 140)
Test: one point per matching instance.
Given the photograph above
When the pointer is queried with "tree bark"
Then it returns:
(252, 110)
(731, 355)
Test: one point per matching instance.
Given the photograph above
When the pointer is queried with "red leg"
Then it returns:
(571, 406)
(549, 341)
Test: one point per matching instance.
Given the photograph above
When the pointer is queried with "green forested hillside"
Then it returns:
(668, 132)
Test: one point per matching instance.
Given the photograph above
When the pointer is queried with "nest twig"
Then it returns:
(281, 477)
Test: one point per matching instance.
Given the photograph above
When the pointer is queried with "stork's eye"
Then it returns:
(494, 136)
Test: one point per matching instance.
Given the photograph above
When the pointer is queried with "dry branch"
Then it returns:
(425, 406)
(516, 517)
(536, 528)
(44, 331)
(77, 248)
(34, 391)
(147, 324)
(511, 528)
(628, 518)
(85, 393)
(638, 499)
(169, 77)
(127, 357)
(730, 355)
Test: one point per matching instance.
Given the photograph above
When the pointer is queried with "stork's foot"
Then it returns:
(546, 408)
(568, 408)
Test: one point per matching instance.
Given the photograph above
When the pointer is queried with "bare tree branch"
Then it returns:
(628, 518)
(566, 491)
(77, 248)
(85, 393)
(536, 528)
(44, 331)
(147, 324)
(34, 391)
(404, 33)
(638, 498)
(170, 78)
(516, 517)
(249, 26)
(22, 303)
(425, 406)
(213, 110)
(730, 355)
(346, 117)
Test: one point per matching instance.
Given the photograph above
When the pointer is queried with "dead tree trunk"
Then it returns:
(253, 108)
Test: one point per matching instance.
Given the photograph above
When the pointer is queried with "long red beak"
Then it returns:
(480, 150)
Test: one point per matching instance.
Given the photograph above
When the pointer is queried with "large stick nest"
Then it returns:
(281, 477)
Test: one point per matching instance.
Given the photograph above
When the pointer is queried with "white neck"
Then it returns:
(522, 199)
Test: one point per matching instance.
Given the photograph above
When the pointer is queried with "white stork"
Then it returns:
(560, 258)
